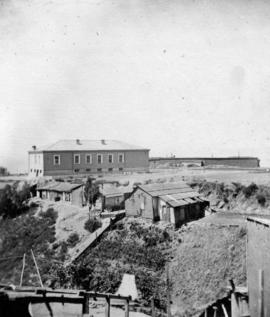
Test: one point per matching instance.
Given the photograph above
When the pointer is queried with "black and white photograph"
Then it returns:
(134, 158)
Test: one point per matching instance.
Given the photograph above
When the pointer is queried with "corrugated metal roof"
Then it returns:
(59, 187)
(89, 145)
(175, 194)
(166, 188)
(111, 191)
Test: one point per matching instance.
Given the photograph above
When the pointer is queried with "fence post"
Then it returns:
(85, 308)
(261, 295)
(153, 306)
(107, 307)
(127, 308)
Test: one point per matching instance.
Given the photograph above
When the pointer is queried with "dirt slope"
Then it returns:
(206, 257)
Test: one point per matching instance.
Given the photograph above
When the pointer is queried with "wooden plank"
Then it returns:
(23, 266)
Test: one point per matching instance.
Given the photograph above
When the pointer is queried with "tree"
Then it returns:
(12, 200)
(91, 192)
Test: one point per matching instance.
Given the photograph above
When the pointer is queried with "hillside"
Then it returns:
(235, 197)
(206, 256)
(202, 255)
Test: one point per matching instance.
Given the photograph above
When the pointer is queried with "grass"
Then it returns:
(205, 259)
(18, 236)
(130, 247)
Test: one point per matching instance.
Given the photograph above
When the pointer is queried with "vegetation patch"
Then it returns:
(205, 259)
(19, 236)
(92, 224)
(130, 247)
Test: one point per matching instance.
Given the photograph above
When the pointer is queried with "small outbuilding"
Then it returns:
(62, 191)
(176, 203)
(113, 198)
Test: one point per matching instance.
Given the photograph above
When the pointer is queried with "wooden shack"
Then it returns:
(62, 191)
(176, 203)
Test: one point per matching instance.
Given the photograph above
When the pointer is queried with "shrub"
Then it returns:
(261, 199)
(73, 239)
(250, 190)
(92, 224)
(12, 200)
(50, 213)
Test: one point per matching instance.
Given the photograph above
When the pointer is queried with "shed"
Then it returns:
(62, 191)
(113, 198)
(177, 203)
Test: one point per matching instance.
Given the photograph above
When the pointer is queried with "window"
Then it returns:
(120, 168)
(31, 170)
(56, 159)
(35, 159)
(40, 171)
(99, 169)
(88, 159)
(77, 158)
(110, 169)
(110, 158)
(76, 170)
(99, 158)
(88, 170)
(121, 158)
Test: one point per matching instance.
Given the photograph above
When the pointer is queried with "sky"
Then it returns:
(181, 77)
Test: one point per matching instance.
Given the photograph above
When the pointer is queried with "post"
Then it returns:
(261, 295)
(215, 311)
(40, 280)
(153, 306)
(127, 308)
(85, 308)
(168, 293)
(205, 312)
(224, 311)
(23, 266)
(107, 307)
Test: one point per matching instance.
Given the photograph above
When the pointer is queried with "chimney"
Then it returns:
(103, 142)
(78, 142)
(34, 147)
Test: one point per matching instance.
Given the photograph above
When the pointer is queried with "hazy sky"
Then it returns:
(183, 77)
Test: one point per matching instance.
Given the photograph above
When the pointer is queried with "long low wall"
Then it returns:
(249, 162)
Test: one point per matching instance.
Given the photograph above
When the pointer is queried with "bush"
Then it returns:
(12, 200)
(250, 190)
(73, 239)
(50, 213)
(261, 199)
(92, 224)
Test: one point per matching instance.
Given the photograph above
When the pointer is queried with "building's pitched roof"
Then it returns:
(89, 145)
(175, 194)
(166, 188)
(59, 187)
(113, 191)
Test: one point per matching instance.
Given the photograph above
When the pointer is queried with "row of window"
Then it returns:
(34, 170)
(89, 159)
(110, 169)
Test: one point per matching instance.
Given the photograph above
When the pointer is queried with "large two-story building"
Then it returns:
(82, 157)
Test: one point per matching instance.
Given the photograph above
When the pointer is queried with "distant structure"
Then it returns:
(3, 171)
(237, 161)
(82, 157)
(176, 203)
(62, 192)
